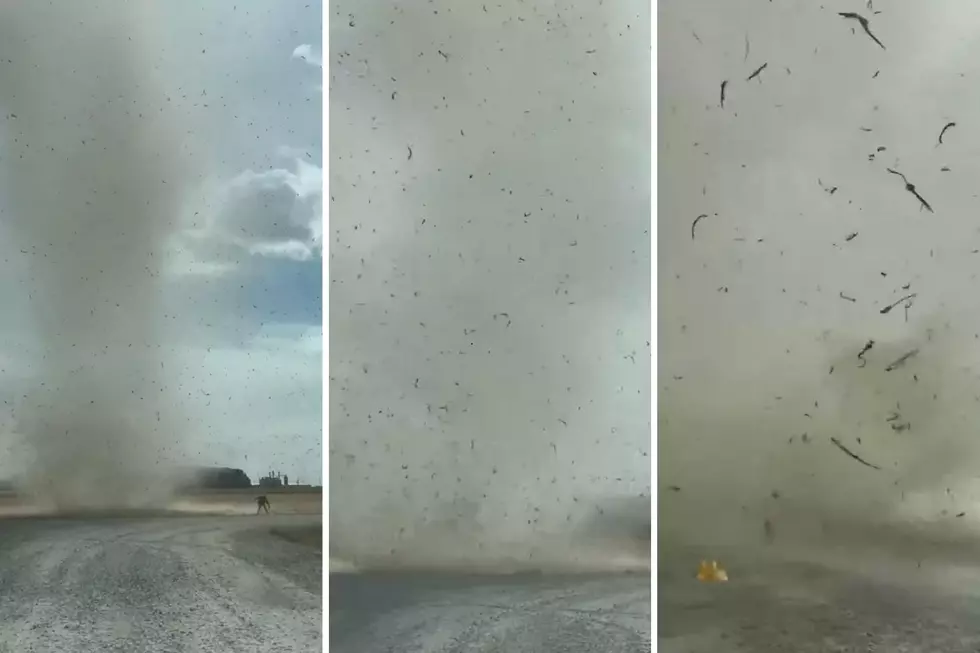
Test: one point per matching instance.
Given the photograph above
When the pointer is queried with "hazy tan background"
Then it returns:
(751, 319)
(489, 304)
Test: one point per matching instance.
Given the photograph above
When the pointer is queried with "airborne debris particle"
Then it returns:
(947, 126)
(901, 360)
(911, 188)
(830, 190)
(864, 24)
(864, 350)
(409, 152)
(851, 236)
(695, 223)
(843, 296)
(757, 72)
(888, 308)
(724, 83)
(837, 443)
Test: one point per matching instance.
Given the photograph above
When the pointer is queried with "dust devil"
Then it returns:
(263, 502)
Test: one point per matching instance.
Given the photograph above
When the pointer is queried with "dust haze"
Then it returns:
(807, 239)
(92, 178)
(489, 280)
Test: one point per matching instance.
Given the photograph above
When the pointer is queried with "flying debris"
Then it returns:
(843, 296)
(757, 72)
(864, 350)
(864, 24)
(947, 126)
(888, 308)
(830, 190)
(506, 315)
(911, 188)
(710, 572)
(695, 223)
(837, 443)
(901, 360)
(724, 83)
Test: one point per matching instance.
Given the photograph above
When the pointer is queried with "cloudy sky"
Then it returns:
(807, 238)
(232, 94)
(489, 273)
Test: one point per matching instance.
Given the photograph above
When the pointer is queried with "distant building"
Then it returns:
(272, 480)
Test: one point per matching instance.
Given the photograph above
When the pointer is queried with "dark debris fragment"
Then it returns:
(837, 443)
(911, 188)
(901, 360)
(888, 308)
(945, 127)
(757, 72)
(864, 25)
(864, 350)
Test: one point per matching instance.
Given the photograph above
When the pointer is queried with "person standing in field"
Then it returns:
(263, 502)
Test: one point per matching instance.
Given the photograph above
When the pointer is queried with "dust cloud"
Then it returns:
(489, 286)
(92, 183)
(767, 465)
(807, 239)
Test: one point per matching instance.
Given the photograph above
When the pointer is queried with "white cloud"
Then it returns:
(275, 213)
(307, 54)
(291, 249)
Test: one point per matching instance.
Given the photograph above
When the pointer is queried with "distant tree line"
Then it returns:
(215, 478)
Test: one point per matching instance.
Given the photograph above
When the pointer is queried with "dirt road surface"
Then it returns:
(519, 613)
(929, 601)
(133, 583)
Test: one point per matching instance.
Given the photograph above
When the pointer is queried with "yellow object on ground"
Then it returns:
(710, 572)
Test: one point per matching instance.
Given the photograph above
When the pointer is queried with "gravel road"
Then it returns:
(182, 584)
(521, 613)
(915, 604)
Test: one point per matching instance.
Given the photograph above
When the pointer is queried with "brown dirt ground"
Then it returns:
(306, 535)
(285, 501)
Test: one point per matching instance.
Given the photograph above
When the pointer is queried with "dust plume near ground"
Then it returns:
(489, 314)
(764, 464)
(91, 180)
(202, 502)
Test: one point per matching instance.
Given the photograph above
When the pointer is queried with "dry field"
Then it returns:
(285, 501)
(301, 500)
